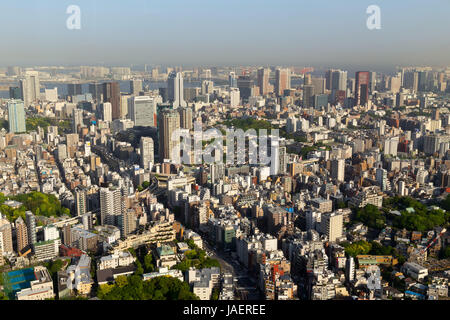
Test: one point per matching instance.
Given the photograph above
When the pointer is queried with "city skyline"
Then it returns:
(139, 32)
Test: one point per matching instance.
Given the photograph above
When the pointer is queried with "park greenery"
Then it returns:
(422, 218)
(32, 123)
(39, 203)
(371, 216)
(197, 258)
(134, 288)
(373, 248)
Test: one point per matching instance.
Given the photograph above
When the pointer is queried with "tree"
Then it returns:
(148, 263)
(371, 216)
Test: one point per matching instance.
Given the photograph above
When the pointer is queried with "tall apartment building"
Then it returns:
(31, 227)
(338, 169)
(6, 241)
(16, 116)
(111, 206)
(332, 225)
(21, 234)
(147, 151)
(80, 200)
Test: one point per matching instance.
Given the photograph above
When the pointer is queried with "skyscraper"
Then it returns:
(232, 81)
(111, 93)
(362, 87)
(245, 85)
(282, 80)
(176, 89)
(308, 94)
(30, 87)
(106, 110)
(185, 118)
(77, 120)
(135, 87)
(142, 110)
(110, 206)
(263, 81)
(147, 151)
(169, 121)
(74, 89)
(96, 90)
(16, 116)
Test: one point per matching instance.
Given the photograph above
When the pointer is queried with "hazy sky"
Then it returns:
(225, 32)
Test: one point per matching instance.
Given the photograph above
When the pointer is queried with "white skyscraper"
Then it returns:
(175, 89)
(106, 108)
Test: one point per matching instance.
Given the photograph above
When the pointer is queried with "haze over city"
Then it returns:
(232, 32)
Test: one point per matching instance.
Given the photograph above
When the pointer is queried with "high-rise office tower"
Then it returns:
(142, 110)
(96, 89)
(361, 87)
(31, 227)
(147, 151)
(263, 81)
(185, 118)
(338, 169)
(15, 93)
(245, 85)
(135, 87)
(207, 87)
(111, 93)
(169, 121)
(111, 206)
(308, 94)
(411, 80)
(77, 120)
(232, 80)
(16, 116)
(336, 80)
(332, 225)
(176, 89)
(74, 89)
(80, 200)
(30, 87)
(282, 80)
(319, 85)
(106, 110)
(21, 234)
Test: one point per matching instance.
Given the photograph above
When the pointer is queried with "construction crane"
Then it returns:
(434, 241)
